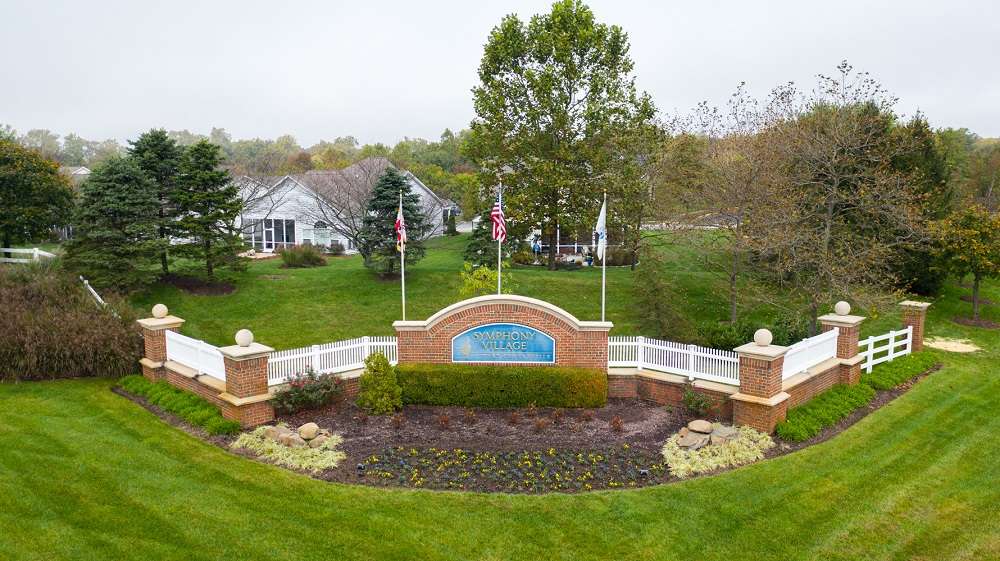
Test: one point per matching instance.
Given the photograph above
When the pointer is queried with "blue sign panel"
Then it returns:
(503, 342)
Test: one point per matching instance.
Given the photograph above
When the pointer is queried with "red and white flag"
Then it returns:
(400, 226)
(499, 223)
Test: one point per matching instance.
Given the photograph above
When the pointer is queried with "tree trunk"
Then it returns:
(814, 317)
(734, 272)
(6, 243)
(975, 296)
(553, 248)
(166, 240)
(208, 258)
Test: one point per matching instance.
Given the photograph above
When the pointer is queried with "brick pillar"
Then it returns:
(914, 315)
(246, 381)
(154, 341)
(760, 403)
(847, 341)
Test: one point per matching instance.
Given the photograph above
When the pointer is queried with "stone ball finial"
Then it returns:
(762, 337)
(842, 308)
(160, 311)
(244, 337)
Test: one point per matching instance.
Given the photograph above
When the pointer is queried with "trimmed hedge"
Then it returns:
(888, 375)
(502, 386)
(185, 405)
(807, 420)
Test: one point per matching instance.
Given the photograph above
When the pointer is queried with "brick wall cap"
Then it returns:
(915, 305)
(837, 320)
(501, 299)
(238, 401)
(155, 324)
(678, 379)
(753, 350)
(854, 360)
(769, 401)
(254, 350)
(150, 363)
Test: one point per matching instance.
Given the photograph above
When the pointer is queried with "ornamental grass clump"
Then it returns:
(747, 447)
(888, 375)
(301, 256)
(324, 456)
(185, 405)
(824, 410)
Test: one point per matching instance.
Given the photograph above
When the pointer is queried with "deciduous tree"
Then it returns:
(34, 197)
(970, 239)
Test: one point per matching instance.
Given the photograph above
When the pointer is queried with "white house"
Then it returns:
(321, 207)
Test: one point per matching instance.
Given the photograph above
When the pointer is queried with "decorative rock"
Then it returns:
(309, 431)
(275, 432)
(693, 440)
(324, 432)
(725, 431)
(244, 337)
(318, 441)
(292, 440)
(701, 426)
(842, 308)
(683, 432)
(716, 439)
(160, 311)
(762, 337)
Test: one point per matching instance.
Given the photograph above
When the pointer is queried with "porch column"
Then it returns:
(914, 315)
(154, 341)
(760, 403)
(847, 340)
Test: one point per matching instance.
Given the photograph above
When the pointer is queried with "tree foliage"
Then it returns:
(970, 240)
(158, 156)
(34, 197)
(116, 226)
(556, 111)
(481, 250)
(378, 234)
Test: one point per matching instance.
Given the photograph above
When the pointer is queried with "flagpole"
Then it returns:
(604, 263)
(499, 252)
(402, 260)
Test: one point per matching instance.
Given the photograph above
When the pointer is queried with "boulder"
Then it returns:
(324, 432)
(701, 426)
(292, 440)
(274, 432)
(717, 439)
(683, 432)
(693, 440)
(318, 441)
(725, 431)
(309, 431)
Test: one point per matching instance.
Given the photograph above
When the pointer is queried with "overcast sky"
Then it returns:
(382, 70)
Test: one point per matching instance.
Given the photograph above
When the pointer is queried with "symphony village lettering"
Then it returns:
(503, 342)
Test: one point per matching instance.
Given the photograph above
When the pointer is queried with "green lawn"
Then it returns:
(86, 474)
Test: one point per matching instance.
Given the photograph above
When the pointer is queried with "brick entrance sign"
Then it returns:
(524, 324)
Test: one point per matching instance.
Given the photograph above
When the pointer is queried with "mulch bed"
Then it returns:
(984, 323)
(482, 450)
(194, 285)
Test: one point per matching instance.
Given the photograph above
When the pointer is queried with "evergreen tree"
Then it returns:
(378, 233)
(208, 204)
(452, 228)
(116, 239)
(33, 195)
(482, 248)
(159, 157)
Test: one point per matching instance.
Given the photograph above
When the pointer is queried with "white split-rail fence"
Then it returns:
(897, 344)
(35, 255)
(697, 363)
(196, 354)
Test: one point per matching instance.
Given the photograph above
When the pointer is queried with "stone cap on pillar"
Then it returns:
(913, 304)
(245, 347)
(160, 320)
(761, 347)
(841, 317)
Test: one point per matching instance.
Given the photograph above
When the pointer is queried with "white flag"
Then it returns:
(602, 230)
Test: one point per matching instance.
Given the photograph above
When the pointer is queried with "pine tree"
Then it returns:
(116, 239)
(378, 234)
(208, 204)
(159, 156)
(482, 248)
(452, 228)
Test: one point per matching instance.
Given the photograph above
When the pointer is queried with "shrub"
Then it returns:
(617, 257)
(748, 447)
(502, 386)
(335, 248)
(185, 405)
(888, 375)
(325, 456)
(523, 257)
(696, 403)
(307, 391)
(378, 391)
(786, 331)
(52, 328)
(301, 256)
(824, 410)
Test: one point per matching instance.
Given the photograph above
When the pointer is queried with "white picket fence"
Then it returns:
(35, 253)
(196, 354)
(873, 354)
(328, 358)
(809, 352)
(675, 358)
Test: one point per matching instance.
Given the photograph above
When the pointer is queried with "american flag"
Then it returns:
(400, 226)
(499, 223)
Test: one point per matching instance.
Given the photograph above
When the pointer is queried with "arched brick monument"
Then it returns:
(504, 329)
